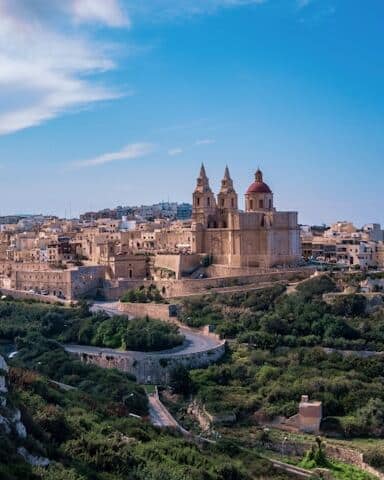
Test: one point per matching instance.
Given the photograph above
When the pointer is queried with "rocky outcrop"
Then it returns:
(11, 422)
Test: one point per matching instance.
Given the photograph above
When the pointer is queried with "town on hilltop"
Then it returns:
(182, 249)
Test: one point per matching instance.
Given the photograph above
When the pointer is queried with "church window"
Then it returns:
(232, 202)
(222, 202)
(270, 203)
(208, 201)
(198, 201)
(261, 204)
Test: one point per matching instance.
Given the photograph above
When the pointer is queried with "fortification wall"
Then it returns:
(189, 286)
(153, 368)
(179, 288)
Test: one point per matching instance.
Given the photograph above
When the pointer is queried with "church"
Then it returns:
(259, 237)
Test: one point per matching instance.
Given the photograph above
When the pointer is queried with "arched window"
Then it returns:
(251, 204)
(232, 202)
(198, 201)
(261, 204)
(208, 202)
(222, 202)
(270, 203)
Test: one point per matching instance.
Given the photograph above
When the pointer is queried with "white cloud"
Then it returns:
(178, 8)
(205, 141)
(48, 66)
(129, 152)
(49, 58)
(103, 11)
(175, 151)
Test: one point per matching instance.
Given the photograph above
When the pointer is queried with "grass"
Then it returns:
(150, 389)
(341, 471)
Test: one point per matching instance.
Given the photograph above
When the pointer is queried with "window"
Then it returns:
(270, 203)
(261, 204)
(251, 204)
(222, 202)
(208, 202)
(198, 201)
(232, 202)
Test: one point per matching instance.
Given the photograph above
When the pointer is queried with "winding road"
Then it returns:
(195, 341)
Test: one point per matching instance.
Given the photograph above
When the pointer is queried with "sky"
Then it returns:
(118, 102)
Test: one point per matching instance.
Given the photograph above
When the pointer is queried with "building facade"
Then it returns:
(260, 236)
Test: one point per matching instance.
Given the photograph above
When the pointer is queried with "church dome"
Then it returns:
(258, 186)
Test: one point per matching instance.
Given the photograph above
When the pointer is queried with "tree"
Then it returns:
(181, 381)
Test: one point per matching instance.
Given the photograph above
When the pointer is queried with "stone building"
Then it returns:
(70, 283)
(260, 236)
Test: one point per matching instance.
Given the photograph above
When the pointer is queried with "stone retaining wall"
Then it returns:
(336, 452)
(179, 288)
(153, 368)
(153, 310)
(22, 295)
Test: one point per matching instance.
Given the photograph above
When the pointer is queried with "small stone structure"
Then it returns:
(309, 417)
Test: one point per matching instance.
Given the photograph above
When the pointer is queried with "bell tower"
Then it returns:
(227, 197)
(204, 203)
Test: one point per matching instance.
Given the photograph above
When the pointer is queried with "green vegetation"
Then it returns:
(143, 295)
(78, 325)
(51, 360)
(268, 320)
(316, 286)
(149, 335)
(316, 458)
(181, 381)
(87, 433)
(143, 334)
(277, 352)
(278, 355)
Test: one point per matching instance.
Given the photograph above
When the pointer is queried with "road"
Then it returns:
(195, 341)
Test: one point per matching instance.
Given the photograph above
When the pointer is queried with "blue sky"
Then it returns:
(107, 102)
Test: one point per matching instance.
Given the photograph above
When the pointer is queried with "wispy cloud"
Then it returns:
(303, 3)
(49, 65)
(129, 152)
(50, 59)
(167, 9)
(175, 151)
(205, 141)
(318, 11)
(108, 12)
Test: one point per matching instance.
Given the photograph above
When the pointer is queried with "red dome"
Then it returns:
(259, 187)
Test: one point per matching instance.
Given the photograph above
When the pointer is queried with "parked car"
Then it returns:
(44, 292)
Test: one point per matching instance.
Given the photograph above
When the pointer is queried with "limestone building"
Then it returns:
(260, 236)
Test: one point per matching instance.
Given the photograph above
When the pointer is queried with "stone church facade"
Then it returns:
(260, 236)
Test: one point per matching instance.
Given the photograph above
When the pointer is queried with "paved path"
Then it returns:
(159, 415)
(291, 469)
